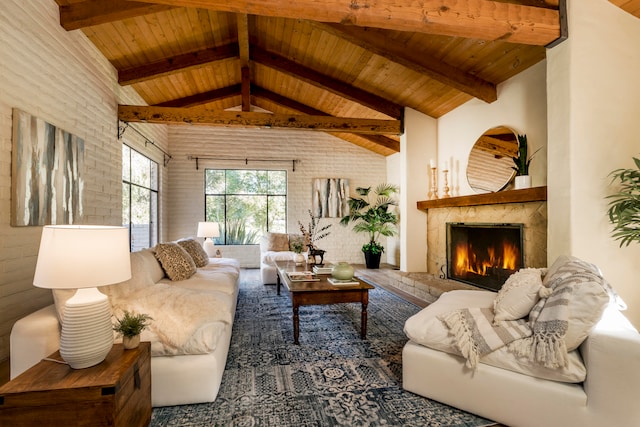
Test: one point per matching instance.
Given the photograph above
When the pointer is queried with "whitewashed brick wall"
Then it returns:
(60, 77)
(320, 156)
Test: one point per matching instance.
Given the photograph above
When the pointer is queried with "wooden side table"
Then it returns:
(116, 392)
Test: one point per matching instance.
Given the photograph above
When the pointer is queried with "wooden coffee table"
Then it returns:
(321, 292)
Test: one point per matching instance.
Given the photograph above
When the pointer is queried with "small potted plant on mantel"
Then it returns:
(370, 214)
(130, 326)
(521, 164)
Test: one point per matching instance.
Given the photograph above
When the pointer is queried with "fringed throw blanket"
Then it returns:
(541, 338)
(476, 335)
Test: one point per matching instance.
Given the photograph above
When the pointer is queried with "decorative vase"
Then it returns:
(131, 342)
(522, 181)
(299, 259)
(342, 271)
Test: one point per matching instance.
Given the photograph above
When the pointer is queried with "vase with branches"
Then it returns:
(313, 232)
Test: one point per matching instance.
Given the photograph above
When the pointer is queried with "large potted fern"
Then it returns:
(370, 213)
(624, 207)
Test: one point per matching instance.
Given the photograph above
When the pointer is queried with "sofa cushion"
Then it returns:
(175, 261)
(588, 299)
(196, 251)
(152, 264)
(277, 242)
(270, 258)
(425, 328)
(518, 295)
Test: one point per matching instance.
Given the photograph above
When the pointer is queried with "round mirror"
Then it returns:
(491, 159)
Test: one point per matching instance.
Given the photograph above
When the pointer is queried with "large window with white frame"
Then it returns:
(246, 203)
(139, 198)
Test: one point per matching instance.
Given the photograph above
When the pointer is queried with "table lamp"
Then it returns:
(83, 257)
(208, 230)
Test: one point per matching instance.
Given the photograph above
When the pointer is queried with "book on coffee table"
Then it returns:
(302, 276)
(325, 269)
(339, 282)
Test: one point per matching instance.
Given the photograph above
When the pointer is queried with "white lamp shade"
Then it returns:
(82, 256)
(208, 229)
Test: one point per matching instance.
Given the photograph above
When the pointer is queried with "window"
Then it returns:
(246, 204)
(139, 198)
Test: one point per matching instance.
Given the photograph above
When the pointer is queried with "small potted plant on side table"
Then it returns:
(130, 325)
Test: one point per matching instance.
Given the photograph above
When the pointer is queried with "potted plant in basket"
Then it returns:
(370, 214)
(522, 162)
(130, 325)
(624, 207)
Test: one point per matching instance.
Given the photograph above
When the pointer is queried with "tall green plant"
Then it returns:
(624, 207)
(370, 214)
(522, 162)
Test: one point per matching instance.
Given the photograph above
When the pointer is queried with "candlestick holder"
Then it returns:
(445, 188)
(433, 194)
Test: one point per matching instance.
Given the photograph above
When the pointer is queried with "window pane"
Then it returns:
(153, 232)
(214, 206)
(214, 181)
(278, 214)
(246, 182)
(278, 182)
(246, 203)
(126, 163)
(140, 169)
(246, 219)
(126, 219)
(140, 217)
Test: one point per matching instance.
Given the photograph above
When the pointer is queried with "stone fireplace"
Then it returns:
(526, 207)
(484, 254)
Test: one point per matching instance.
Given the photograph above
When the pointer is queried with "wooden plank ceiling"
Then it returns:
(347, 67)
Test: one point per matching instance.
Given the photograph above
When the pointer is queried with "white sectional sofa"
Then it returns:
(190, 334)
(598, 386)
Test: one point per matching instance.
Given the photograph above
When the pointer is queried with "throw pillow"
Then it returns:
(176, 262)
(277, 242)
(518, 295)
(587, 300)
(193, 248)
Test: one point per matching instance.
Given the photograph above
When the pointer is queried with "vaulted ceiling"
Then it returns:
(348, 67)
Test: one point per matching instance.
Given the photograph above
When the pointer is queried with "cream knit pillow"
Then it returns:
(518, 295)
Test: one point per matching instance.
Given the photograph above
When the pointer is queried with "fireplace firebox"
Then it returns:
(484, 255)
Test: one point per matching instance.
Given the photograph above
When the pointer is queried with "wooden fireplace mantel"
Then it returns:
(535, 194)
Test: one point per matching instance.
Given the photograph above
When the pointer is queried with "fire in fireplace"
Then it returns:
(484, 255)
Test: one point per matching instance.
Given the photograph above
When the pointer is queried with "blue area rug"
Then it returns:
(333, 378)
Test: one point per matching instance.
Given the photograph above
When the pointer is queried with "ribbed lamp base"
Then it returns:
(87, 332)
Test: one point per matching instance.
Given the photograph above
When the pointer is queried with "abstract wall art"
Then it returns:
(46, 173)
(330, 197)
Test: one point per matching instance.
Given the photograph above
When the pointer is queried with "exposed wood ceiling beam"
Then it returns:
(299, 107)
(312, 77)
(478, 19)
(200, 116)
(376, 41)
(95, 12)
(203, 98)
(242, 23)
(177, 63)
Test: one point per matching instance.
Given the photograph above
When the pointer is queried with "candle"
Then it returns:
(446, 165)
(432, 164)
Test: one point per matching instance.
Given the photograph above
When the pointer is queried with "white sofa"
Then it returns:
(599, 387)
(180, 374)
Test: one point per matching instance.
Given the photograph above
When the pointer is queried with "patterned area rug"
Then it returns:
(333, 378)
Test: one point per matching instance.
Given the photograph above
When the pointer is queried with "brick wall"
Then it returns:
(60, 77)
(320, 156)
